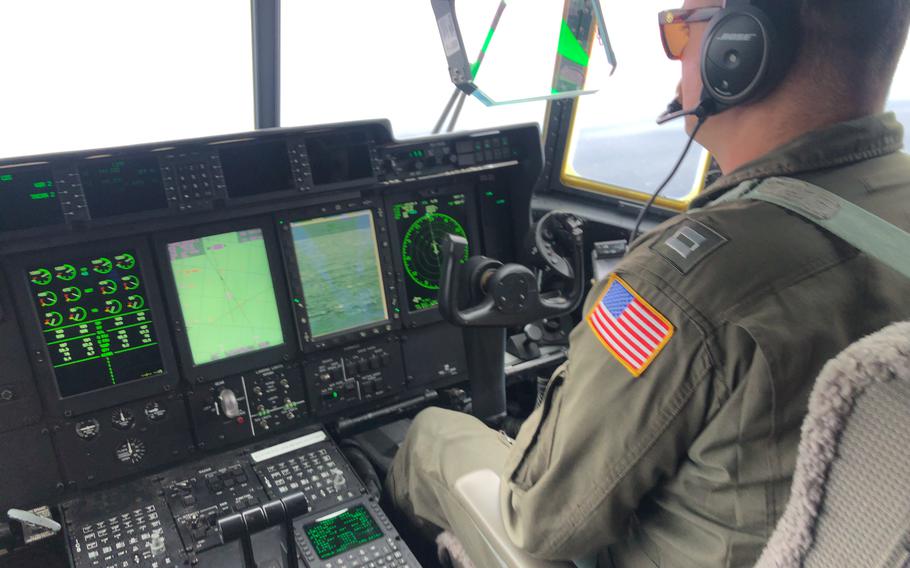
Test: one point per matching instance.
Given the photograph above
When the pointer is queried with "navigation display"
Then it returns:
(340, 533)
(338, 262)
(226, 295)
(28, 198)
(255, 169)
(96, 321)
(421, 226)
(118, 186)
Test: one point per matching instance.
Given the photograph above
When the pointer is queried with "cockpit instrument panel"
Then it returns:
(163, 301)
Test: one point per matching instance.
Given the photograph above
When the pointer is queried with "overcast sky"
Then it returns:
(108, 72)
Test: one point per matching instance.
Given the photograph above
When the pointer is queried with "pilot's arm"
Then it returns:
(616, 420)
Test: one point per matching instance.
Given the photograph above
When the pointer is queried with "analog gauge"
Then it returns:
(113, 306)
(78, 314)
(107, 287)
(47, 299)
(88, 429)
(130, 282)
(41, 277)
(131, 451)
(72, 294)
(122, 419)
(154, 411)
(65, 272)
(102, 265)
(421, 248)
(125, 261)
(135, 302)
(52, 319)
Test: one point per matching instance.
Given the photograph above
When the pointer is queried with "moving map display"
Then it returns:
(421, 226)
(338, 263)
(96, 321)
(226, 294)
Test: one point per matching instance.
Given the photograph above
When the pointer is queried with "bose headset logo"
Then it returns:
(736, 37)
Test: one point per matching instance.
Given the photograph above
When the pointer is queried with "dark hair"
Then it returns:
(855, 40)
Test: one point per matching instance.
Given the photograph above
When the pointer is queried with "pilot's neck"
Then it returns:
(743, 135)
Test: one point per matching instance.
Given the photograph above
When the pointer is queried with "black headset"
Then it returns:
(747, 49)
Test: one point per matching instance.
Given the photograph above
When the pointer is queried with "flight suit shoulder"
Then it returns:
(717, 260)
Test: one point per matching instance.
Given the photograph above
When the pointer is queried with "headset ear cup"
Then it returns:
(743, 57)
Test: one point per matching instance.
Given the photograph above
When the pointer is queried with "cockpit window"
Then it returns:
(616, 148)
(899, 101)
(615, 145)
(364, 59)
(79, 75)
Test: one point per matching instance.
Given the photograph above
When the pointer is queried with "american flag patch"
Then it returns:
(629, 327)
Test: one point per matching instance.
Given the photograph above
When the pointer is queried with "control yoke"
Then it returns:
(485, 296)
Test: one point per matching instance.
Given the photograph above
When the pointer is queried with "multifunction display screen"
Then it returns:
(96, 321)
(256, 169)
(226, 294)
(343, 532)
(28, 198)
(338, 262)
(421, 226)
(117, 186)
(338, 158)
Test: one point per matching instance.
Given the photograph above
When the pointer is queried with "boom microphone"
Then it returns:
(675, 110)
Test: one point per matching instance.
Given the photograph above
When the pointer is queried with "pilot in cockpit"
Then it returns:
(670, 436)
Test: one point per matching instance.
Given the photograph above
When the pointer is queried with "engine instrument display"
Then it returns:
(96, 321)
(339, 269)
(342, 532)
(117, 186)
(226, 294)
(28, 198)
(421, 225)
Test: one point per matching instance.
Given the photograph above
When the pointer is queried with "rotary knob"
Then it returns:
(227, 400)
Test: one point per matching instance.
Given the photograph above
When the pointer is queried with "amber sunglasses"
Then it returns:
(674, 27)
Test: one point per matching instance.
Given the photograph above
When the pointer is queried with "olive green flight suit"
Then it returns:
(690, 463)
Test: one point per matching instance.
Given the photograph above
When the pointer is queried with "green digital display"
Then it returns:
(422, 224)
(28, 198)
(338, 263)
(342, 532)
(96, 321)
(226, 295)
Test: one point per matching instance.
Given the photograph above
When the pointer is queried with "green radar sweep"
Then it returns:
(421, 248)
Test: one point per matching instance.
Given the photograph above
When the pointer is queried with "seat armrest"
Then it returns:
(479, 493)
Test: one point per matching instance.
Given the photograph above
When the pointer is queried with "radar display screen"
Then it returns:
(342, 532)
(226, 295)
(28, 198)
(96, 321)
(421, 226)
(118, 186)
(338, 262)
(256, 169)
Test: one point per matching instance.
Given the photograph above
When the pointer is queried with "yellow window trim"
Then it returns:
(571, 178)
